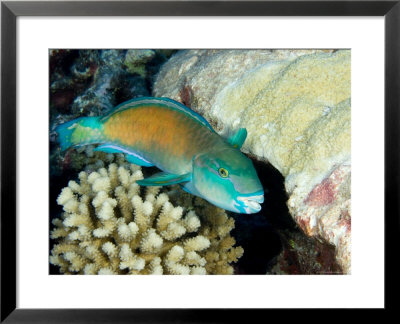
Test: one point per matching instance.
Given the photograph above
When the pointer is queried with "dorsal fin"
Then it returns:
(237, 139)
(163, 101)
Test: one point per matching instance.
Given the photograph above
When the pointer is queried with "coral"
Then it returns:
(209, 72)
(111, 85)
(110, 225)
(296, 107)
(81, 158)
(135, 60)
(85, 158)
(296, 110)
(70, 73)
(326, 212)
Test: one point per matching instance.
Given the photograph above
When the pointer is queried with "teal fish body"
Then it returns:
(164, 133)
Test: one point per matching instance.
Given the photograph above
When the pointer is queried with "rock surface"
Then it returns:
(295, 105)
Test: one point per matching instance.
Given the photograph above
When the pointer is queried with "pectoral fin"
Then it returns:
(165, 179)
(237, 139)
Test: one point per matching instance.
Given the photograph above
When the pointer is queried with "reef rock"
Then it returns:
(295, 105)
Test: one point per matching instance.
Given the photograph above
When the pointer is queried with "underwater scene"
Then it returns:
(201, 161)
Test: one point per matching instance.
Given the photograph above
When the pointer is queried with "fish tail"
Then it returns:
(80, 131)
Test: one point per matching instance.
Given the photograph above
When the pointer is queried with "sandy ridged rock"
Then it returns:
(295, 105)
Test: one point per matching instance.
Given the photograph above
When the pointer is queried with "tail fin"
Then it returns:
(80, 131)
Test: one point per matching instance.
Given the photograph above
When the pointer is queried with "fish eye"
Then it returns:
(223, 172)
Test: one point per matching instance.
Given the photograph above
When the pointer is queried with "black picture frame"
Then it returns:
(11, 10)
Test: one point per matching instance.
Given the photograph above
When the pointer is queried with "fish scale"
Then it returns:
(162, 136)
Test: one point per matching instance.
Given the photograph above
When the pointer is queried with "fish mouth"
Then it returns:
(252, 203)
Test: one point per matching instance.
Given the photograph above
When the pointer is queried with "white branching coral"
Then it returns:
(110, 225)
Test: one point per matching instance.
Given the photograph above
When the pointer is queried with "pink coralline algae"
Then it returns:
(345, 220)
(326, 213)
(186, 95)
(322, 194)
(325, 192)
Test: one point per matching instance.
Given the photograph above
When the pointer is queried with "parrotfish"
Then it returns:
(164, 133)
